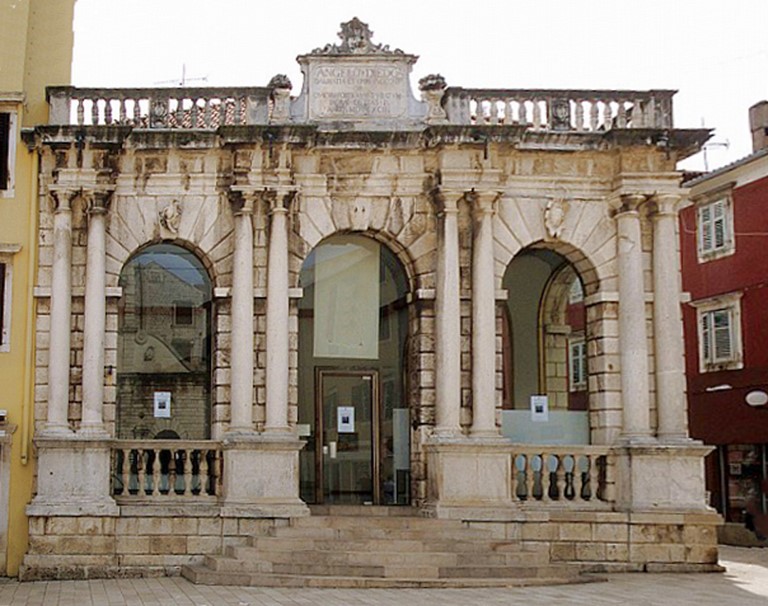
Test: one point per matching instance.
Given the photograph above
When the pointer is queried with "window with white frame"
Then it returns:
(6, 251)
(577, 362)
(719, 322)
(715, 229)
(7, 152)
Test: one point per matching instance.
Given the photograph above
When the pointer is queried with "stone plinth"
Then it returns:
(73, 478)
(468, 478)
(661, 477)
(262, 477)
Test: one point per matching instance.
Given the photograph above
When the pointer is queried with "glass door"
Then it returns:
(348, 452)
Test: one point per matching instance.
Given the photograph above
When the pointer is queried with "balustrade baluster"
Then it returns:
(583, 476)
(188, 472)
(156, 469)
(107, 111)
(80, 111)
(530, 477)
(594, 115)
(95, 111)
(621, 115)
(121, 111)
(126, 471)
(536, 114)
(607, 115)
(141, 472)
(203, 472)
(172, 473)
(207, 113)
(545, 477)
(136, 112)
(579, 114)
(560, 480)
(594, 477)
(638, 115)
(494, 111)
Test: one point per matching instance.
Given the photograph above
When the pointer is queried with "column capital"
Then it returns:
(97, 201)
(446, 201)
(482, 202)
(665, 203)
(627, 203)
(62, 198)
(279, 198)
(241, 202)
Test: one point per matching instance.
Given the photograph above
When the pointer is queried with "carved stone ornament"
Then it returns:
(561, 114)
(158, 113)
(356, 40)
(554, 217)
(280, 81)
(169, 220)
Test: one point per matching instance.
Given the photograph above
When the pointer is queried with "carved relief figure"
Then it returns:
(554, 217)
(169, 219)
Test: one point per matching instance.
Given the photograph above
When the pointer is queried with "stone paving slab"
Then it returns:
(744, 583)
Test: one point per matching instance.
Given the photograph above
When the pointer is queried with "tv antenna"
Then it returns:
(184, 79)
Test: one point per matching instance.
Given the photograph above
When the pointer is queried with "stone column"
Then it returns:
(632, 333)
(241, 357)
(277, 314)
(95, 315)
(447, 318)
(61, 308)
(667, 322)
(483, 318)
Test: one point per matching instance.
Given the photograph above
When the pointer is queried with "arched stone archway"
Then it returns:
(164, 344)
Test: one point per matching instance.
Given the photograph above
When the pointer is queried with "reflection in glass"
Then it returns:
(164, 343)
(354, 297)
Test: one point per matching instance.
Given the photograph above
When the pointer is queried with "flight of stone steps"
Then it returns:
(379, 547)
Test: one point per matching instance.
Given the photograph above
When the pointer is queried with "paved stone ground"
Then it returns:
(745, 583)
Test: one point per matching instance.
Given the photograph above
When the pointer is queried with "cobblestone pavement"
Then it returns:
(745, 583)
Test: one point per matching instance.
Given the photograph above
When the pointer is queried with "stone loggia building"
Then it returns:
(250, 302)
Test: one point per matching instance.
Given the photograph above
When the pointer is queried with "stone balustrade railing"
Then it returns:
(176, 108)
(165, 469)
(209, 108)
(566, 475)
(564, 110)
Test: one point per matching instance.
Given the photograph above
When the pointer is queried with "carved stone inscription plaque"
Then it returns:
(372, 90)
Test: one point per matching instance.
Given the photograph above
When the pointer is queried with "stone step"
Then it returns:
(330, 532)
(435, 545)
(204, 576)
(382, 558)
(366, 511)
(337, 521)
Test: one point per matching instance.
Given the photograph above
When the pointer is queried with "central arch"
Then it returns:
(353, 410)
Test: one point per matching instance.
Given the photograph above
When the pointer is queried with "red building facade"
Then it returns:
(724, 247)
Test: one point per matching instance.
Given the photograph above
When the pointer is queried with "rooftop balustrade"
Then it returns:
(209, 108)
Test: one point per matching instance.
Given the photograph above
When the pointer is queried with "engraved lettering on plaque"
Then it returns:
(372, 91)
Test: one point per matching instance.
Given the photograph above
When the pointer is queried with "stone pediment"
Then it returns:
(358, 82)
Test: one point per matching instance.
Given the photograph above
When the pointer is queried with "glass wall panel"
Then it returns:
(164, 346)
(354, 297)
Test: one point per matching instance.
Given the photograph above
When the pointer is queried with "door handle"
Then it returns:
(332, 449)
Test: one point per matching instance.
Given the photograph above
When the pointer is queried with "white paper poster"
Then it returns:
(346, 419)
(539, 409)
(162, 404)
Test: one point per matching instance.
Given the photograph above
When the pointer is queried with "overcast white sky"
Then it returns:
(714, 52)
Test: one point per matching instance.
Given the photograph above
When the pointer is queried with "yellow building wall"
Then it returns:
(36, 41)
